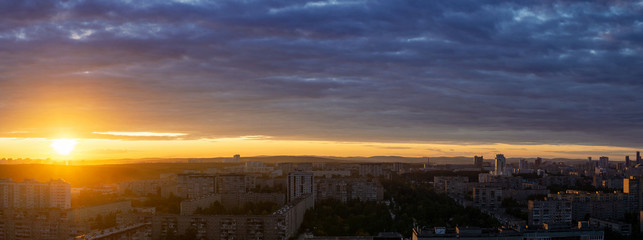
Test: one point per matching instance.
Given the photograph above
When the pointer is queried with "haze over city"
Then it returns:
(136, 79)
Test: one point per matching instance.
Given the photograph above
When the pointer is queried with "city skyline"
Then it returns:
(330, 78)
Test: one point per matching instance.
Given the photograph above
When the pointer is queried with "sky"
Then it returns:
(197, 78)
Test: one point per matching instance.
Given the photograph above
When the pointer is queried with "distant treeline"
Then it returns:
(93, 175)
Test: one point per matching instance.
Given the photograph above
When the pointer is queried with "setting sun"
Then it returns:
(63, 146)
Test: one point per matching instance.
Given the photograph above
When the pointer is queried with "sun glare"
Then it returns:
(64, 146)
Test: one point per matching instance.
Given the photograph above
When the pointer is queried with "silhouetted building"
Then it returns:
(235, 159)
(638, 158)
(523, 164)
(477, 161)
(603, 162)
(538, 162)
(501, 164)
(627, 161)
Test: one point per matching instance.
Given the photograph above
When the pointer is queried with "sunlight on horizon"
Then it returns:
(64, 146)
(104, 149)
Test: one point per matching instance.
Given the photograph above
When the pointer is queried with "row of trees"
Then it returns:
(411, 202)
(514, 208)
(334, 218)
(419, 205)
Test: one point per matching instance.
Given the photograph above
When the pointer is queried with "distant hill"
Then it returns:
(296, 159)
(266, 159)
(278, 159)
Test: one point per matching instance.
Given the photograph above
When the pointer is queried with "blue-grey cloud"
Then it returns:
(446, 71)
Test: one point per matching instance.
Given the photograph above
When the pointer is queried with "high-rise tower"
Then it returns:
(477, 161)
(501, 163)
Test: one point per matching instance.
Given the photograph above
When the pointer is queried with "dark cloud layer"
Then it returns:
(446, 71)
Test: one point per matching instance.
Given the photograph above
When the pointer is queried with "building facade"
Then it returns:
(633, 187)
(31, 194)
(345, 189)
(549, 212)
(487, 197)
(281, 224)
(299, 184)
(370, 169)
(500, 166)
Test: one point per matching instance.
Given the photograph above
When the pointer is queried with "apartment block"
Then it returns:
(487, 197)
(345, 189)
(196, 185)
(440, 183)
(33, 224)
(31, 194)
(370, 169)
(281, 224)
(549, 212)
(299, 184)
(633, 186)
(597, 205)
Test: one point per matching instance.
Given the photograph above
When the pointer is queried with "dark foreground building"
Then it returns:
(281, 224)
